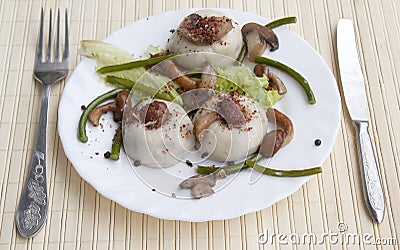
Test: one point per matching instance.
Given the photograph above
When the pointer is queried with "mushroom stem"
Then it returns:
(116, 106)
(276, 83)
(95, 114)
(204, 121)
(208, 77)
(169, 69)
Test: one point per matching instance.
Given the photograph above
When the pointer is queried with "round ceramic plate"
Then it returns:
(243, 193)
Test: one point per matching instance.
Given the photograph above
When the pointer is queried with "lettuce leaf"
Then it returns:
(108, 54)
(104, 53)
(234, 79)
(240, 79)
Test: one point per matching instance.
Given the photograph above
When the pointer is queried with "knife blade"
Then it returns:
(353, 85)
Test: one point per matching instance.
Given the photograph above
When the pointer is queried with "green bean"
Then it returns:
(85, 114)
(283, 173)
(299, 78)
(230, 169)
(125, 83)
(252, 162)
(282, 21)
(271, 25)
(242, 53)
(134, 64)
(116, 143)
(170, 95)
(120, 82)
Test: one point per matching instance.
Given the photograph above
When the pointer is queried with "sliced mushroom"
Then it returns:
(276, 83)
(155, 114)
(272, 142)
(257, 37)
(276, 139)
(201, 189)
(219, 106)
(120, 102)
(260, 70)
(201, 184)
(204, 122)
(116, 106)
(188, 183)
(231, 113)
(208, 77)
(282, 121)
(220, 174)
(169, 69)
(196, 98)
(95, 114)
(204, 30)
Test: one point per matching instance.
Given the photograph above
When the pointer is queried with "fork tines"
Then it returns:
(56, 52)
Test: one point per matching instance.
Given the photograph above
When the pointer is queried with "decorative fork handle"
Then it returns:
(32, 208)
(373, 192)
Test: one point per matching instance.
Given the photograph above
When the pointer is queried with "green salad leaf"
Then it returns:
(240, 79)
(104, 53)
(109, 54)
(235, 79)
(146, 84)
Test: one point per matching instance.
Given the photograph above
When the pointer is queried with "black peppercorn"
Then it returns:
(107, 154)
(317, 142)
(83, 107)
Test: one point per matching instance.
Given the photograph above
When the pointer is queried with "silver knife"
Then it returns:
(355, 97)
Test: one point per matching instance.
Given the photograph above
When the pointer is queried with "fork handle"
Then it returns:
(32, 208)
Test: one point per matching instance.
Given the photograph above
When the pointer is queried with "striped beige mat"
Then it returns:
(80, 218)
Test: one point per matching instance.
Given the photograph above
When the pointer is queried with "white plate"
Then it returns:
(116, 180)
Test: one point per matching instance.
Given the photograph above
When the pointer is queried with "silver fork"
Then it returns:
(32, 208)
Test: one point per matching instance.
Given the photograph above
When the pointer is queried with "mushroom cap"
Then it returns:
(229, 45)
(160, 147)
(203, 30)
(272, 142)
(283, 122)
(257, 37)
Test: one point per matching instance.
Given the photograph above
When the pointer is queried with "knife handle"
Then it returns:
(373, 192)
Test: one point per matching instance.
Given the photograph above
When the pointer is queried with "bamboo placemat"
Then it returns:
(81, 218)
